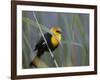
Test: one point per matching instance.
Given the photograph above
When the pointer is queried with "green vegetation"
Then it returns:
(75, 38)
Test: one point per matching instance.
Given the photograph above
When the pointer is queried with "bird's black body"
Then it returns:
(52, 42)
(41, 46)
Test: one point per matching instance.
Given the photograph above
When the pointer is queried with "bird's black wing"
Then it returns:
(41, 42)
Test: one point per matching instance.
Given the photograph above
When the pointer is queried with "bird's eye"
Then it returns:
(58, 31)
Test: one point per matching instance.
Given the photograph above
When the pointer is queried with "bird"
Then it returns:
(53, 41)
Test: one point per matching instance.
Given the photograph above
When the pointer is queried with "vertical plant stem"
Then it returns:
(56, 64)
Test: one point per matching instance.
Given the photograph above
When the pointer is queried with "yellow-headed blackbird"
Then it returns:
(52, 41)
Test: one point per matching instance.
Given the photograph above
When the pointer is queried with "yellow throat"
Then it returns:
(55, 39)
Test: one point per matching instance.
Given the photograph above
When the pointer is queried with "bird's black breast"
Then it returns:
(42, 44)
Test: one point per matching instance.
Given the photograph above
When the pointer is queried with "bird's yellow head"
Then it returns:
(56, 34)
(56, 31)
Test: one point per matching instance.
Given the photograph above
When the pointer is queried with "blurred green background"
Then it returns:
(75, 37)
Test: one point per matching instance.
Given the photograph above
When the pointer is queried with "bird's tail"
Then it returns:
(31, 64)
(36, 59)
